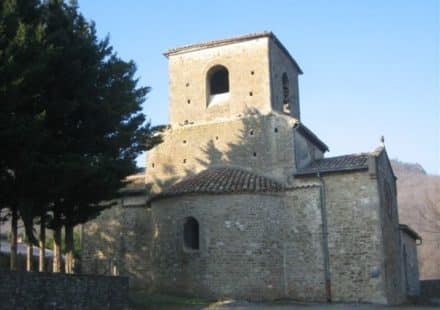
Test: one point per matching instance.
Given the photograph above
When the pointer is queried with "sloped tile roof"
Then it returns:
(222, 180)
(335, 164)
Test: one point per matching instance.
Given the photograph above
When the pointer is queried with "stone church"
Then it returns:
(239, 200)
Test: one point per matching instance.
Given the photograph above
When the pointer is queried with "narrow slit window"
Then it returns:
(191, 233)
(286, 93)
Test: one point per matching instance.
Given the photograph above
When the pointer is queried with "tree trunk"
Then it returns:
(29, 256)
(13, 256)
(69, 248)
(56, 266)
(41, 245)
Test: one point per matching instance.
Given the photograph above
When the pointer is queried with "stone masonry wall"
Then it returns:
(119, 242)
(301, 239)
(263, 144)
(238, 255)
(28, 291)
(305, 151)
(390, 231)
(279, 64)
(354, 244)
(410, 265)
(248, 66)
(251, 246)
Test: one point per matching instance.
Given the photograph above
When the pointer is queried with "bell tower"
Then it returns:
(222, 79)
(234, 103)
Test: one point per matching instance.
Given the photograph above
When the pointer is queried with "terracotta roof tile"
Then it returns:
(222, 180)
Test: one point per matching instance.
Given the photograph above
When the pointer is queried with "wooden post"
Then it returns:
(29, 256)
(56, 267)
(69, 248)
(41, 245)
(13, 255)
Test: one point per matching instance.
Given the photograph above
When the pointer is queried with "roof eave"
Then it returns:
(208, 44)
(328, 171)
(180, 194)
(411, 232)
(237, 39)
(312, 137)
(286, 51)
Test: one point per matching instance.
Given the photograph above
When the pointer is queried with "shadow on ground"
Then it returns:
(141, 301)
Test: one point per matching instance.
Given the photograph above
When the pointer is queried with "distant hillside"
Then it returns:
(403, 169)
(419, 207)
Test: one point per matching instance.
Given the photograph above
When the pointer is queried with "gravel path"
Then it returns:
(300, 306)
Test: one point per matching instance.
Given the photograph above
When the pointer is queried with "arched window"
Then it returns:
(191, 233)
(286, 93)
(218, 80)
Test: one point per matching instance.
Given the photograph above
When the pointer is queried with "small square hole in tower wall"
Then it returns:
(251, 93)
(276, 130)
(252, 72)
(254, 154)
(187, 84)
(188, 101)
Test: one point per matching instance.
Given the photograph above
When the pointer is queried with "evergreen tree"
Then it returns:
(93, 117)
(21, 35)
(70, 118)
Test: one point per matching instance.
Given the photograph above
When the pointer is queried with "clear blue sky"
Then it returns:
(371, 68)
